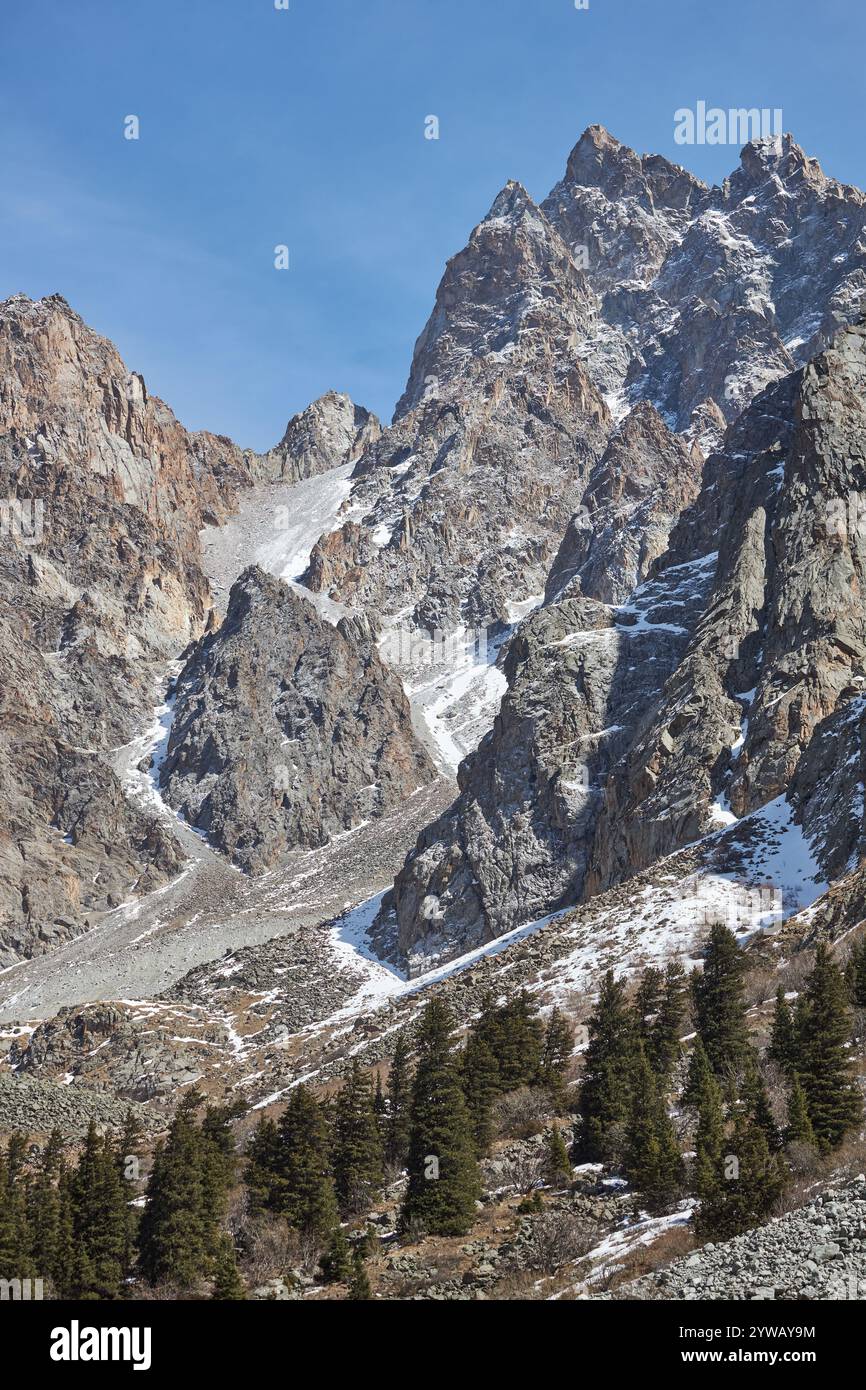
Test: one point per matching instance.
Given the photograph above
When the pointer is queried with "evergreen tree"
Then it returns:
(749, 1184)
(663, 1037)
(100, 1217)
(336, 1262)
(605, 1092)
(44, 1210)
(399, 1102)
(228, 1286)
(783, 1037)
(357, 1158)
(63, 1271)
(520, 1038)
(556, 1053)
(443, 1175)
(481, 1086)
(299, 1186)
(380, 1107)
(647, 1002)
(720, 1011)
(698, 1078)
(557, 1165)
(359, 1286)
(855, 974)
(180, 1237)
(709, 1143)
(173, 1235)
(15, 1235)
(653, 1162)
(263, 1167)
(757, 1104)
(832, 1098)
(799, 1128)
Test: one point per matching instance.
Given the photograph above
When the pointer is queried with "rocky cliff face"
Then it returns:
(287, 730)
(732, 677)
(103, 495)
(458, 510)
(329, 433)
(708, 294)
(777, 659)
(632, 283)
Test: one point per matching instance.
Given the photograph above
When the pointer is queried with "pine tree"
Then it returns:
(443, 1174)
(663, 1037)
(653, 1162)
(380, 1107)
(336, 1262)
(757, 1104)
(357, 1158)
(520, 1039)
(228, 1286)
(300, 1188)
(262, 1174)
(557, 1165)
(855, 974)
(720, 1011)
(515, 1036)
(173, 1235)
(783, 1037)
(481, 1086)
(128, 1160)
(180, 1239)
(44, 1209)
(647, 1002)
(399, 1102)
(15, 1235)
(605, 1092)
(556, 1054)
(799, 1128)
(750, 1183)
(63, 1270)
(708, 1174)
(700, 1074)
(832, 1098)
(100, 1216)
(359, 1286)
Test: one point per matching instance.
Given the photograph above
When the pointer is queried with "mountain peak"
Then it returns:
(510, 203)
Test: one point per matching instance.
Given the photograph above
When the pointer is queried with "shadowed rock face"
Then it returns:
(287, 730)
(644, 480)
(580, 673)
(780, 648)
(728, 679)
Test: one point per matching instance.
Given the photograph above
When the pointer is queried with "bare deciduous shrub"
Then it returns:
(524, 1169)
(522, 1113)
(558, 1237)
(270, 1248)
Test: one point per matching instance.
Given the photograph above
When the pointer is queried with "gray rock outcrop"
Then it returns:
(287, 730)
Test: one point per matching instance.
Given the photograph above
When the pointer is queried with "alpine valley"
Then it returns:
(513, 750)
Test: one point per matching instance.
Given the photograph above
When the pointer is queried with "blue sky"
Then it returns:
(306, 128)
